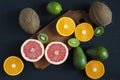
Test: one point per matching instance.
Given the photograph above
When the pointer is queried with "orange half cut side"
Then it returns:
(13, 66)
(65, 26)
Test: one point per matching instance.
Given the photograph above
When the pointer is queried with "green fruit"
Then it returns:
(98, 31)
(73, 42)
(42, 37)
(79, 58)
(98, 52)
(54, 8)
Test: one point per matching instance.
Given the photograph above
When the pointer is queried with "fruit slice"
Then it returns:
(32, 50)
(65, 26)
(73, 42)
(84, 32)
(98, 31)
(42, 37)
(56, 53)
(13, 66)
(94, 69)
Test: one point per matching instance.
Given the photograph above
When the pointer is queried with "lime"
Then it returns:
(73, 42)
(98, 31)
(54, 8)
(42, 37)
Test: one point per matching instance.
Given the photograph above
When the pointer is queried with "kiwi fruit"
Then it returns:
(29, 20)
(100, 13)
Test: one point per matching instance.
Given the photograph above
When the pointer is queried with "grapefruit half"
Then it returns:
(32, 50)
(56, 53)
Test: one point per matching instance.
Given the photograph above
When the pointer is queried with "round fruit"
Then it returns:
(100, 13)
(98, 31)
(73, 42)
(65, 26)
(56, 53)
(95, 69)
(54, 8)
(42, 37)
(29, 20)
(13, 66)
(32, 50)
(84, 32)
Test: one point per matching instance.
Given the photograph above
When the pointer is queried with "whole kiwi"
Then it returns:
(29, 20)
(100, 13)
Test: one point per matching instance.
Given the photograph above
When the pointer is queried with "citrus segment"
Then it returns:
(95, 69)
(65, 26)
(84, 32)
(56, 53)
(13, 65)
(32, 50)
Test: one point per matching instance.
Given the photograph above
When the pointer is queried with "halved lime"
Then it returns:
(42, 37)
(98, 31)
(73, 42)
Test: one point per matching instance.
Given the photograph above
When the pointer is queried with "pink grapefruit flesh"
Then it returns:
(32, 50)
(56, 53)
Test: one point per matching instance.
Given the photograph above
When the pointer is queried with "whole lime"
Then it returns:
(54, 8)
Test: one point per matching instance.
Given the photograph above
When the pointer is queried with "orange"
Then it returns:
(94, 69)
(65, 26)
(13, 66)
(84, 32)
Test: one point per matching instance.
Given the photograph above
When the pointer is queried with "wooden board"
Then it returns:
(50, 30)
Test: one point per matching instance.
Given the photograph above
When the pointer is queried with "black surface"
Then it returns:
(12, 36)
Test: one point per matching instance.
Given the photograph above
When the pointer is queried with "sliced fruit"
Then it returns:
(73, 42)
(42, 37)
(65, 26)
(95, 69)
(98, 31)
(13, 66)
(56, 53)
(32, 50)
(54, 8)
(79, 58)
(84, 32)
(98, 52)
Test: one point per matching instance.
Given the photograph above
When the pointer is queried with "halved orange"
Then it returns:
(13, 66)
(65, 26)
(94, 69)
(84, 32)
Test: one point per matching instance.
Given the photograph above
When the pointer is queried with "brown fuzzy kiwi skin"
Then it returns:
(100, 13)
(29, 20)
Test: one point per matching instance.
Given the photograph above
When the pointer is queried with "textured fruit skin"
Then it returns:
(54, 8)
(79, 58)
(29, 20)
(98, 52)
(100, 13)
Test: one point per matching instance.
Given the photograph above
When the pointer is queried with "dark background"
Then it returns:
(12, 36)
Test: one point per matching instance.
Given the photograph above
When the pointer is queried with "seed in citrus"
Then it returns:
(65, 26)
(13, 65)
(84, 32)
(56, 53)
(32, 50)
(94, 69)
